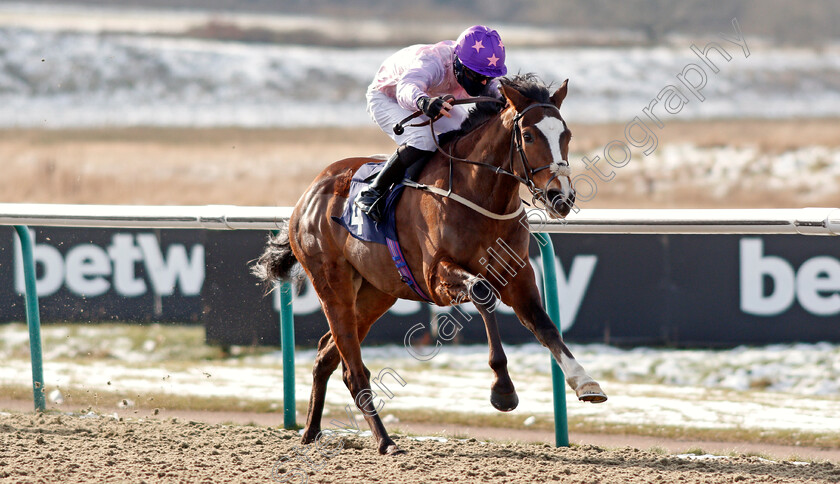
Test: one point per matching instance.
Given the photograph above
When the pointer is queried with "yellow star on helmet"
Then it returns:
(492, 60)
(478, 46)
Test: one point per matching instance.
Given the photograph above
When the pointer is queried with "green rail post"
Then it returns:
(552, 307)
(287, 342)
(33, 318)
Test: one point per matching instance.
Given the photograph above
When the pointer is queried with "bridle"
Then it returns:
(516, 146)
(537, 194)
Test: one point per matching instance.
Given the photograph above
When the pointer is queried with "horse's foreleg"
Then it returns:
(502, 392)
(525, 301)
(456, 285)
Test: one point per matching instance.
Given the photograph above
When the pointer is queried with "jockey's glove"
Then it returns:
(431, 106)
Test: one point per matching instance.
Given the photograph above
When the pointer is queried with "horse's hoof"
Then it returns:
(504, 402)
(309, 437)
(591, 392)
(391, 449)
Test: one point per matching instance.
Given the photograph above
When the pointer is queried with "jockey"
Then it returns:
(417, 77)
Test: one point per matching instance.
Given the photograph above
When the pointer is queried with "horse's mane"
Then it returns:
(529, 85)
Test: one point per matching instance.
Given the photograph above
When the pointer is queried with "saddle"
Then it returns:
(360, 226)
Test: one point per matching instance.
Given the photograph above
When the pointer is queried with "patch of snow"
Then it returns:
(776, 387)
(87, 80)
(700, 457)
(813, 171)
(428, 438)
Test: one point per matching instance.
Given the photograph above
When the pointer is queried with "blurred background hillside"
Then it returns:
(809, 22)
(244, 102)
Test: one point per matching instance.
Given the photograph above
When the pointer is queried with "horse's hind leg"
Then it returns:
(370, 305)
(456, 285)
(342, 291)
(357, 380)
(326, 362)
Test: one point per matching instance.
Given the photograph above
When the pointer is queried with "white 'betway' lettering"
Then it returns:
(816, 285)
(125, 255)
(572, 289)
(177, 266)
(86, 267)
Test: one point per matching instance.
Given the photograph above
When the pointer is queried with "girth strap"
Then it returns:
(464, 201)
(402, 267)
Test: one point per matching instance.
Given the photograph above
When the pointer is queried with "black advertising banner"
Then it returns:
(238, 311)
(755, 290)
(106, 275)
(620, 289)
(704, 289)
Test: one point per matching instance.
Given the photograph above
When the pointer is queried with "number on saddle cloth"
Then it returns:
(357, 222)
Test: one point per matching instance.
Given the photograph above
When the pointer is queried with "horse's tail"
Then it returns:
(278, 260)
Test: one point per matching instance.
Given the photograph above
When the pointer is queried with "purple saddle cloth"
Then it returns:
(363, 228)
(357, 222)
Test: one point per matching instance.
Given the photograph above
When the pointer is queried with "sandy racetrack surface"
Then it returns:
(53, 448)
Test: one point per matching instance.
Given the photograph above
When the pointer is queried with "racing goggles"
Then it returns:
(471, 74)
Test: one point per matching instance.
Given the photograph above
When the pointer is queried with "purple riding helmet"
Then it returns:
(479, 57)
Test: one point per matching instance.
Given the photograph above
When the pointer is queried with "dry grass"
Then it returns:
(268, 167)
(771, 136)
(173, 166)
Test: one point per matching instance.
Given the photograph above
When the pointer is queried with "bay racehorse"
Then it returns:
(444, 239)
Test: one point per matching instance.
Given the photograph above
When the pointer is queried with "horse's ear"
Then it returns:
(514, 98)
(560, 94)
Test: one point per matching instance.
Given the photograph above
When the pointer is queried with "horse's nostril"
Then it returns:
(560, 201)
(555, 196)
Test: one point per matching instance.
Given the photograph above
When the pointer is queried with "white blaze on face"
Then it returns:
(552, 129)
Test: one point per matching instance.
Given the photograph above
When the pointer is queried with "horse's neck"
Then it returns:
(494, 191)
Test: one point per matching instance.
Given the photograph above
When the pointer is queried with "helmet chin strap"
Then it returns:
(472, 88)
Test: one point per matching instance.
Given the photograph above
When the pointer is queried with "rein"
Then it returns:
(538, 194)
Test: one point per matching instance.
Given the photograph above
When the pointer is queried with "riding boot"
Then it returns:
(372, 200)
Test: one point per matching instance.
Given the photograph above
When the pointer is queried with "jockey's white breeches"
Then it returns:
(386, 113)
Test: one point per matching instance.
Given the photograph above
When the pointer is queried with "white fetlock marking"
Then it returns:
(575, 374)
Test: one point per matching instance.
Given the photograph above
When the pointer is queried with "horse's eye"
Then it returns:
(528, 138)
